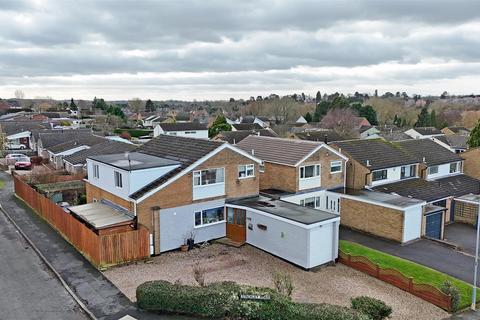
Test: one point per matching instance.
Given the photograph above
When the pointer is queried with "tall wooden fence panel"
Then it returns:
(396, 278)
(99, 249)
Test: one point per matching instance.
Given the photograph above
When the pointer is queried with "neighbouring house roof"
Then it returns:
(320, 135)
(84, 139)
(394, 136)
(284, 209)
(366, 128)
(381, 198)
(134, 161)
(234, 137)
(380, 154)
(183, 116)
(278, 150)
(184, 150)
(247, 126)
(248, 119)
(418, 188)
(53, 137)
(458, 141)
(100, 215)
(107, 147)
(51, 115)
(182, 126)
(428, 151)
(426, 131)
(14, 127)
(462, 130)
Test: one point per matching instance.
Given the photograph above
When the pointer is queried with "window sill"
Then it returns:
(209, 185)
(311, 178)
(336, 172)
(243, 178)
(209, 224)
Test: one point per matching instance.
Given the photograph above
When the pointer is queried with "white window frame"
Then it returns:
(198, 174)
(334, 164)
(457, 167)
(201, 225)
(430, 170)
(247, 167)
(316, 202)
(118, 179)
(409, 168)
(96, 171)
(190, 132)
(316, 171)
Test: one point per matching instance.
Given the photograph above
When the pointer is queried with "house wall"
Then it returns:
(283, 239)
(443, 171)
(177, 223)
(357, 176)
(412, 224)
(324, 157)
(471, 165)
(323, 244)
(377, 220)
(277, 176)
(201, 134)
(97, 193)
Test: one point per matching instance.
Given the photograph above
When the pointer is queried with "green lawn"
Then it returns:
(2, 184)
(419, 273)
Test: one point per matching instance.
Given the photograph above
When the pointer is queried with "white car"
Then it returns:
(15, 146)
(14, 157)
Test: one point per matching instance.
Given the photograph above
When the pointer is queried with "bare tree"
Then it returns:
(283, 109)
(19, 94)
(342, 120)
(136, 105)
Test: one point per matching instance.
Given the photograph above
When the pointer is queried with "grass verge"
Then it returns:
(2, 184)
(419, 273)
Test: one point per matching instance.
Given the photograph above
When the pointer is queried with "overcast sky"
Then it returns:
(220, 49)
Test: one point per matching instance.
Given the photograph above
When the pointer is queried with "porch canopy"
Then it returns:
(100, 215)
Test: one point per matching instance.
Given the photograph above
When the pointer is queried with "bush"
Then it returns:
(374, 308)
(222, 300)
(452, 290)
(283, 283)
(36, 160)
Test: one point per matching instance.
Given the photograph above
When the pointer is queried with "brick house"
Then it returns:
(181, 188)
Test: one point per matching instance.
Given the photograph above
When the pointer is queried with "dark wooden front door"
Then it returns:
(236, 230)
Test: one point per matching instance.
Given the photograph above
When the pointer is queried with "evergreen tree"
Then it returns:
(396, 121)
(116, 111)
(308, 117)
(340, 102)
(318, 97)
(474, 140)
(433, 119)
(423, 118)
(321, 110)
(149, 106)
(220, 124)
(73, 106)
(100, 104)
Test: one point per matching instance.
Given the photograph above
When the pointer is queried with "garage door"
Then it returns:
(433, 225)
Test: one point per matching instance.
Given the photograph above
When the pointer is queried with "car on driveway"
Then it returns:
(12, 157)
(15, 146)
(23, 163)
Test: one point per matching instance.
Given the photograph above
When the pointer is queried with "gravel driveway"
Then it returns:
(248, 265)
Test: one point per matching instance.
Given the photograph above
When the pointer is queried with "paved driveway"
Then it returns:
(462, 235)
(28, 289)
(425, 252)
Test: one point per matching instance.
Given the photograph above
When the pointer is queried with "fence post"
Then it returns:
(410, 285)
(377, 271)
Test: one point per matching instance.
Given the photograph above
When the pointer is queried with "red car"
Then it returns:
(23, 163)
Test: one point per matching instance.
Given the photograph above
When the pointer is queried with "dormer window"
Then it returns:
(433, 170)
(408, 171)
(454, 167)
(379, 175)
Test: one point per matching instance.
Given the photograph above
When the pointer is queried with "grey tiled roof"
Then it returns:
(428, 150)
(14, 127)
(320, 135)
(53, 137)
(84, 139)
(107, 147)
(234, 137)
(182, 126)
(454, 140)
(182, 149)
(456, 186)
(247, 126)
(427, 130)
(380, 154)
(278, 150)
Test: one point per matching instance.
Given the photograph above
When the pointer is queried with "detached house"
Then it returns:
(182, 129)
(185, 188)
(423, 132)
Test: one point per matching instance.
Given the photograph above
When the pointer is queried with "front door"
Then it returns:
(236, 230)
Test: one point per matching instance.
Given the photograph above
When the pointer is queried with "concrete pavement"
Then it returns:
(426, 252)
(462, 235)
(101, 297)
(29, 290)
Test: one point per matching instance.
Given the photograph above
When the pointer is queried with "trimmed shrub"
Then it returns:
(452, 290)
(374, 308)
(223, 300)
(283, 283)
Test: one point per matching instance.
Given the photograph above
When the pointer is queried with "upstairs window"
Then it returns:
(335, 166)
(209, 176)
(96, 171)
(408, 171)
(454, 167)
(246, 171)
(311, 171)
(118, 179)
(190, 132)
(379, 175)
(433, 170)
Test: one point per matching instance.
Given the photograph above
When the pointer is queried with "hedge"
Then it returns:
(134, 132)
(222, 300)
(374, 308)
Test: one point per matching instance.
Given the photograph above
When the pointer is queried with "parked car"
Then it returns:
(12, 157)
(23, 163)
(15, 146)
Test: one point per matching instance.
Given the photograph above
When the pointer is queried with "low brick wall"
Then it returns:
(377, 220)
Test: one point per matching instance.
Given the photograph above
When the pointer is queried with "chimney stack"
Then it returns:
(368, 163)
(253, 152)
(325, 139)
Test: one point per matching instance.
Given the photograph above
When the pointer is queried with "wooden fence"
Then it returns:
(100, 250)
(396, 278)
